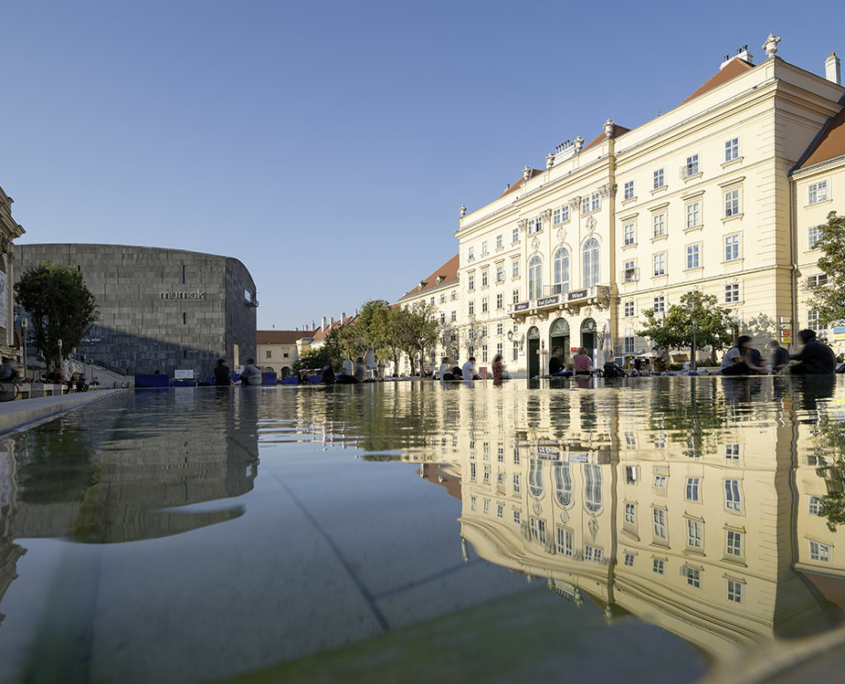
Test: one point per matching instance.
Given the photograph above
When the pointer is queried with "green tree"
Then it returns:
(385, 329)
(417, 329)
(676, 330)
(60, 306)
(829, 299)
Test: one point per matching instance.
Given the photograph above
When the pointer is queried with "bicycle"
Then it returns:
(9, 390)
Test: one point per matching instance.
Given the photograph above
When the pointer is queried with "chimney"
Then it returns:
(323, 323)
(833, 69)
(343, 318)
(331, 324)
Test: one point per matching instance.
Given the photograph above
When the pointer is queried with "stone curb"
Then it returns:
(17, 414)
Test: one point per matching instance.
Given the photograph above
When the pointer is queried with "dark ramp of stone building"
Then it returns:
(160, 309)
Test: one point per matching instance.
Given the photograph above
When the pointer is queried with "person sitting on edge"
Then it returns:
(444, 369)
(468, 371)
(816, 358)
(8, 372)
(582, 363)
(780, 357)
(327, 375)
(555, 362)
(498, 369)
(742, 359)
(251, 374)
(360, 370)
(221, 374)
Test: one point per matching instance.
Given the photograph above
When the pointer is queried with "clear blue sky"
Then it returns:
(328, 145)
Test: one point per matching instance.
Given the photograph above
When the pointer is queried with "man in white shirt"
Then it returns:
(468, 369)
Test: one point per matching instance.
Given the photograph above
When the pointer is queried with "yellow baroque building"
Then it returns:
(720, 195)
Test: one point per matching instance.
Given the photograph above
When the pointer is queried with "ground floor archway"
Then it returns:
(533, 352)
(559, 337)
(588, 336)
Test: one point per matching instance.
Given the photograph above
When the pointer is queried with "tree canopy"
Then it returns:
(60, 307)
(829, 299)
(676, 330)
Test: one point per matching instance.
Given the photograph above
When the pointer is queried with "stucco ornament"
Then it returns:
(463, 210)
(591, 224)
(561, 235)
(526, 173)
(538, 508)
(564, 517)
(522, 223)
(550, 160)
(574, 203)
(535, 244)
(593, 526)
(771, 45)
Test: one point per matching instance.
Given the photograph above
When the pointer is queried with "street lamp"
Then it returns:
(24, 327)
(61, 362)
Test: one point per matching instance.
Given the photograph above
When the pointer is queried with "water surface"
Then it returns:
(690, 527)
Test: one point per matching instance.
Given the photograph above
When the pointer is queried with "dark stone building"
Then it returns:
(160, 309)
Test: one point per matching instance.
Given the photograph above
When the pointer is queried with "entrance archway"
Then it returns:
(559, 337)
(588, 336)
(533, 352)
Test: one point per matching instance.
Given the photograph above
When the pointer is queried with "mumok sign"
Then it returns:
(195, 294)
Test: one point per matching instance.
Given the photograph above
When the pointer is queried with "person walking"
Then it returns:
(221, 374)
(815, 357)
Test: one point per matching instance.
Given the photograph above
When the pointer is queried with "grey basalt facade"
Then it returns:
(160, 309)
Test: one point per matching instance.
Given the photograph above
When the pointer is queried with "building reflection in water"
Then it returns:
(711, 508)
(122, 473)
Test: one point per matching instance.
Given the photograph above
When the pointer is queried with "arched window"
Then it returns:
(535, 278)
(591, 263)
(563, 484)
(561, 270)
(535, 478)
(592, 487)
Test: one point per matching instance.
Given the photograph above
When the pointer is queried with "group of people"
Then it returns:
(815, 358)
(450, 370)
(579, 364)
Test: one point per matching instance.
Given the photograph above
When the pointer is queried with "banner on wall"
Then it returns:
(2, 300)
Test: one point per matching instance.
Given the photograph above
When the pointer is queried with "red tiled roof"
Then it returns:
(448, 273)
(281, 336)
(519, 183)
(617, 131)
(323, 333)
(733, 68)
(830, 144)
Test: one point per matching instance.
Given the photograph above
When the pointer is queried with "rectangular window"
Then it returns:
(500, 327)
(631, 513)
(268, 354)
(629, 272)
(629, 190)
(471, 308)
(516, 296)
(184, 274)
(585, 205)
(443, 298)
(184, 318)
(499, 241)
(515, 269)
(484, 353)
(817, 280)
(732, 293)
(484, 276)
(595, 202)
(733, 546)
(731, 149)
(629, 559)
(471, 253)
(538, 530)
(814, 234)
(471, 282)
(454, 317)
(694, 533)
(486, 475)
(564, 213)
(731, 247)
(442, 318)
(691, 167)
(692, 492)
(693, 215)
(734, 591)
(659, 516)
(500, 511)
(816, 505)
(517, 517)
(556, 216)
(516, 484)
(660, 481)
(500, 347)
(592, 553)
(484, 247)
(532, 226)
(564, 541)
(693, 256)
(486, 507)
(660, 264)
(814, 321)
(500, 273)
(659, 179)
(484, 305)
(733, 500)
(472, 503)
(659, 225)
(731, 203)
(819, 552)
(693, 577)
(516, 351)
(817, 192)
(629, 234)
(515, 235)
(629, 343)
(628, 309)
(732, 452)
(660, 305)
(658, 566)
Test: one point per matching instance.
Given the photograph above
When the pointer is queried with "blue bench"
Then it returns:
(269, 379)
(291, 380)
(147, 380)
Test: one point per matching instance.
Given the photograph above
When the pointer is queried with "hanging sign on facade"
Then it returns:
(577, 294)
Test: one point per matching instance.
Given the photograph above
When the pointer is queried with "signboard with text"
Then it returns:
(577, 294)
(546, 301)
(520, 307)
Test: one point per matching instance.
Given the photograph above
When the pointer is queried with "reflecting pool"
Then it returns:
(652, 529)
